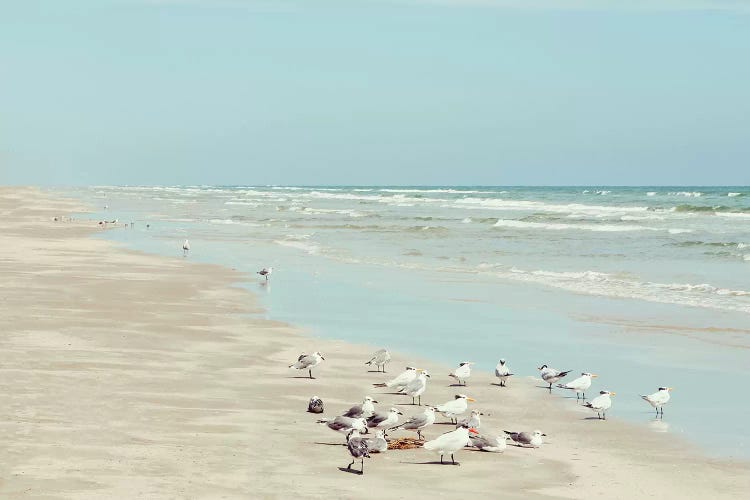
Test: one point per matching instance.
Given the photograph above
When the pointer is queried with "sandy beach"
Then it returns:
(127, 375)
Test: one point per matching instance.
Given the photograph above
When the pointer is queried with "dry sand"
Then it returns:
(126, 375)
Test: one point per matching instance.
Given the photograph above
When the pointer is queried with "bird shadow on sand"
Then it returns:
(458, 385)
(300, 376)
(331, 444)
(498, 385)
(434, 462)
(350, 471)
(592, 418)
(375, 371)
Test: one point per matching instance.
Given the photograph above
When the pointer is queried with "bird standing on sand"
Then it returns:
(419, 422)
(526, 439)
(308, 362)
(358, 448)
(551, 376)
(462, 372)
(494, 444)
(659, 399)
(400, 381)
(365, 410)
(601, 404)
(185, 248)
(378, 444)
(472, 420)
(266, 272)
(384, 419)
(450, 442)
(416, 387)
(455, 407)
(315, 405)
(380, 358)
(502, 372)
(580, 384)
(345, 425)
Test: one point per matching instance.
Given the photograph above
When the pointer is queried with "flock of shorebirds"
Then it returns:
(360, 418)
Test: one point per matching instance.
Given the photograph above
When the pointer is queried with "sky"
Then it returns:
(397, 92)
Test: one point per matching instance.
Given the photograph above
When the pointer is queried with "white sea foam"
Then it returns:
(679, 231)
(518, 224)
(651, 193)
(308, 248)
(689, 194)
(738, 215)
(732, 195)
(467, 220)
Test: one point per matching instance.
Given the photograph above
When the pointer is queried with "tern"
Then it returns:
(526, 439)
(450, 442)
(659, 399)
(455, 407)
(308, 362)
(419, 422)
(416, 387)
(601, 404)
(580, 384)
(462, 372)
(358, 448)
(551, 376)
(366, 409)
(502, 372)
(400, 382)
(266, 272)
(379, 359)
(185, 248)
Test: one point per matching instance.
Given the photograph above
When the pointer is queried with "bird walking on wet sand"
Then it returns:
(494, 444)
(601, 404)
(384, 419)
(580, 384)
(416, 387)
(659, 399)
(266, 272)
(399, 382)
(455, 407)
(365, 410)
(463, 372)
(526, 439)
(502, 372)
(551, 376)
(379, 359)
(419, 422)
(358, 449)
(451, 442)
(308, 362)
(185, 248)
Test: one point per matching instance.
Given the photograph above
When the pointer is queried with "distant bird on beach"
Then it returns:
(451, 442)
(380, 358)
(601, 404)
(659, 399)
(502, 372)
(315, 405)
(400, 381)
(494, 444)
(378, 444)
(580, 384)
(266, 272)
(358, 449)
(365, 410)
(462, 372)
(416, 387)
(308, 362)
(455, 407)
(526, 439)
(472, 420)
(419, 422)
(185, 248)
(551, 376)
(384, 419)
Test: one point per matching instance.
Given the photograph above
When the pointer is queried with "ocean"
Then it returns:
(645, 286)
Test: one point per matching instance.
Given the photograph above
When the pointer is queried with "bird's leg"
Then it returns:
(550, 387)
(419, 434)
(310, 372)
(420, 400)
(454, 460)
(350, 465)
(362, 467)
(441, 459)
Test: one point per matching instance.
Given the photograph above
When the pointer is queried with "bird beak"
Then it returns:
(399, 413)
(594, 375)
(481, 413)
(471, 399)
(428, 376)
(670, 388)
(322, 358)
(473, 431)
(543, 434)
(374, 401)
(612, 393)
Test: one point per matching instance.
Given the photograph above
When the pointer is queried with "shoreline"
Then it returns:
(223, 413)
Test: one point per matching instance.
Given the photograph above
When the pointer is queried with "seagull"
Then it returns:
(401, 381)
(450, 442)
(472, 421)
(416, 387)
(659, 399)
(308, 361)
(384, 419)
(345, 425)
(185, 248)
(502, 372)
(266, 271)
(455, 407)
(315, 405)
(380, 358)
(495, 444)
(357, 449)
(526, 439)
(366, 409)
(378, 444)
(580, 384)
(419, 421)
(462, 372)
(550, 375)
(601, 404)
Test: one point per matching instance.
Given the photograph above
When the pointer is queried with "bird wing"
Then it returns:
(354, 411)
(376, 419)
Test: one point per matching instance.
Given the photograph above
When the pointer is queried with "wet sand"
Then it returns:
(126, 375)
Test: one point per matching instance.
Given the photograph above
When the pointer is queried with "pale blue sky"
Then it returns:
(375, 92)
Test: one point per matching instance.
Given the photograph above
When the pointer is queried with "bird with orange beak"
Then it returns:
(601, 403)
(659, 399)
(456, 407)
(451, 442)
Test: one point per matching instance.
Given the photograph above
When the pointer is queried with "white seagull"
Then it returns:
(308, 362)
(494, 444)
(345, 425)
(472, 420)
(462, 372)
(379, 359)
(378, 444)
(551, 376)
(526, 439)
(502, 372)
(580, 384)
(366, 409)
(450, 442)
(455, 407)
(400, 382)
(266, 272)
(419, 422)
(185, 248)
(659, 399)
(601, 404)
(416, 387)
(384, 419)
(358, 448)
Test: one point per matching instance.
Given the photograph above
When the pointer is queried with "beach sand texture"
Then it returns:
(126, 375)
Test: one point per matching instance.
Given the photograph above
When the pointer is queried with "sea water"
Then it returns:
(646, 286)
